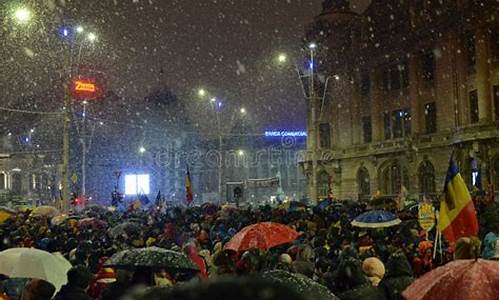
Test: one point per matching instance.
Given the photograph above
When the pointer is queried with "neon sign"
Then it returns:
(284, 133)
(82, 86)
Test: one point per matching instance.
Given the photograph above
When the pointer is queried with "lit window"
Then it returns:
(136, 184)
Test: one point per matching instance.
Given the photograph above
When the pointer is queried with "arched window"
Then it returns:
(392, 177)
(426, 178)
(3, 181)
(323, 184)
(17, 185)
(363, 183)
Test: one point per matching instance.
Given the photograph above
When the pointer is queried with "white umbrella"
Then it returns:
(34, 263)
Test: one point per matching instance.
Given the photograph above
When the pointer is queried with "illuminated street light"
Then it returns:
(312, 46)
(79, 29)
(337, 77)
(241, 153)
(213, 99)
(142, 150)
(243, 110)
(91, 36)
(202, 92)
(282, 58)
(22, 15)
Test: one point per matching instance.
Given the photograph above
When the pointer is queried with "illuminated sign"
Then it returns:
(85, 89)
(136, 184)
(82, 86)
(284, 133)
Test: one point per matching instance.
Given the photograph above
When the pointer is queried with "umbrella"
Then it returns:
(261, 235)
(459, 279)
(127, 228)
(34, 263)
(59, 220)
(376, 219)
(45, 211)
(92, 222)
(324, 204)
(6, 213)
(94, 210)
(301, 284)
(152, 257)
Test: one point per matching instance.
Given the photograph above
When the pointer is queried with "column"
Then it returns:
(376, 105)
(415, 105)
(482, 76)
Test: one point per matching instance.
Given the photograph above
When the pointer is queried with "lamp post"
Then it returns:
(217, 106)
(313, 127)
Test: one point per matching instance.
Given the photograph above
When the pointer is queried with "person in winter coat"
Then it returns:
(356, 285)
(37, 289)
(398, 277)
(78, 281)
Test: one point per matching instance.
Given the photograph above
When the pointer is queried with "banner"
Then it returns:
(426, 216)
(263, 183)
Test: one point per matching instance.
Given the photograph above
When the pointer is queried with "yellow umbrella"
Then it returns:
(5, 213)
(45, 211)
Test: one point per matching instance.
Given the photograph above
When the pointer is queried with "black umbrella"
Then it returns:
(301, 284)
(152, 257)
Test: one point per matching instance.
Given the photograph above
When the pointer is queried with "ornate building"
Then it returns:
(413, 81)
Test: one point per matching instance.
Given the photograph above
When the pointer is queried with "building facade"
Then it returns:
(413, 82)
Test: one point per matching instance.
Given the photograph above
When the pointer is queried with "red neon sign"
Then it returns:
(85, 89)
(82, 86)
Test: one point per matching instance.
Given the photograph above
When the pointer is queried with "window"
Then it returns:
(391, 179)
(365, 84)
(495, 99)
(401, 123)
(363, 183)
(426, 178)
(474, 109)
(323, 184)
(324, 135)
(471, 51)
(136, 184)
(3, 181)
(397, 124)
(17, 184)
(430, 117)
(367, 129)
(428, 66)
(387, 126)
(395, 77)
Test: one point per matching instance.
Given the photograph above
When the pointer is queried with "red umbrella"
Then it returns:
(459, 279)
(262, 236)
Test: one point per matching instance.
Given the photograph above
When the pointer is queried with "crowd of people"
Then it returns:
(352, 262)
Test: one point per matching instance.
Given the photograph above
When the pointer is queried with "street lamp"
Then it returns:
(202, 92)
(22, 15)
(312, 45)
(243, 111)
(91, 37)
(282, 58)
(142, 150)
(241, 153)
(79, 29)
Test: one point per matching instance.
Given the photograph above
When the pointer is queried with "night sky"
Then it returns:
(229, 47)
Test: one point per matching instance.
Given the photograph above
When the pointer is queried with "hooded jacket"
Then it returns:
(358, 286)
(399, 276)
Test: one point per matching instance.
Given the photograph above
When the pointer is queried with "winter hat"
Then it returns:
(285, 258)
(374, 269)
(79, 276)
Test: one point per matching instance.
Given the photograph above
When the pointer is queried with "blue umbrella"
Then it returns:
(376, 219)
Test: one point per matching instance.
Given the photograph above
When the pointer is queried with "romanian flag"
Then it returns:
(189, 188)
(457, 215)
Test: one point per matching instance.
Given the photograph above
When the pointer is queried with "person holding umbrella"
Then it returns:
(78, 281)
